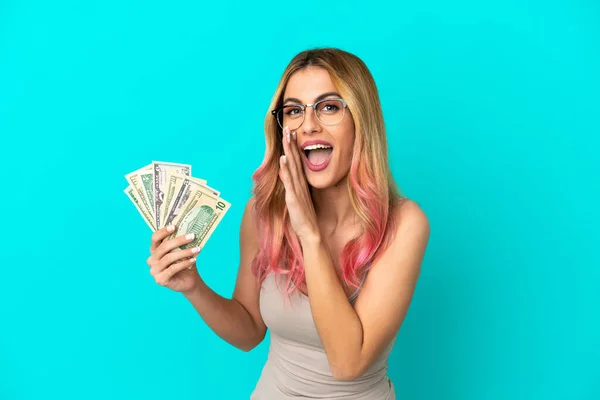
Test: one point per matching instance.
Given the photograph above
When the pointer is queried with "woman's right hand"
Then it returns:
(175, 270)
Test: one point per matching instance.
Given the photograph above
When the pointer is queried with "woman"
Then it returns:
(325, 211)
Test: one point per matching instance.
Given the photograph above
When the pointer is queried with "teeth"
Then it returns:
(317, 146)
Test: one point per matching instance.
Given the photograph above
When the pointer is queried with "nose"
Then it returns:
(311, 123)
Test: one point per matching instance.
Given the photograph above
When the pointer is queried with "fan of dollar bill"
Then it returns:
(166, 193)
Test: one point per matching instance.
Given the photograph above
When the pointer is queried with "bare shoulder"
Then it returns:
(249, 208)
(410, 219)
(250, 203)
(408, 241)
(248, 229)
(390, 285)
(412, 231)
(248, 242)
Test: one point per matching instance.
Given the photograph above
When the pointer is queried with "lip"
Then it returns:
(311, 166)
(315, 141)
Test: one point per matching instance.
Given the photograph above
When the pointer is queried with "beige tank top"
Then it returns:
(297, 366)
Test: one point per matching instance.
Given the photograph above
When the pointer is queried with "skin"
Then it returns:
(353, 337)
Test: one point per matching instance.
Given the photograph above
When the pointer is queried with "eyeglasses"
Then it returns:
(328, 111)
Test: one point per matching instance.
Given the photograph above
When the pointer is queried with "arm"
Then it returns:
(354, 337)
(237, 320)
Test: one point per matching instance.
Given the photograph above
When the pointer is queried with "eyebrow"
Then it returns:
(320, 97)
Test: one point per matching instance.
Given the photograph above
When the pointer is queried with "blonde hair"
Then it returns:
(371, 186)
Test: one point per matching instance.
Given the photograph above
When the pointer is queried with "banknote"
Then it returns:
(135, 182)
(204, 183)
(133, 196)
(160, 180)
(175, 180)
(189, 188)
(167, 193)
(146, 177)
(200, 214)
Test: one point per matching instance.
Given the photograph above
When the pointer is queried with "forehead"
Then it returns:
(308, 83)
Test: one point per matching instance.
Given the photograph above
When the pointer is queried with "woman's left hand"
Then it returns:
(297, 195)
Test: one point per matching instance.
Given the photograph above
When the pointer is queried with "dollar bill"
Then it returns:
(189, 188)
(174, 186)
(175, 180)
(159, 179)
(203, 183)
(166, 193)
(135, 182)
(200, 214)
(146, 178)
(133, 196)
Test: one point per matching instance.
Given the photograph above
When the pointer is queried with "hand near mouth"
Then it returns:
(297, 195)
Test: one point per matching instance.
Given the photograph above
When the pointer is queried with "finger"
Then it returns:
(297, 170)
(284, 140)
(159, 235)
(288, 147)
(164, 278)
(284, 173)
(166, 246)
(159, 265)
(175, 256)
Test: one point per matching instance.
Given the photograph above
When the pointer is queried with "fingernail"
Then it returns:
(288, 137)
(192, 259)
(196, 249)
(170, 228)
(284, 159)
(294, 135)
(189, 236)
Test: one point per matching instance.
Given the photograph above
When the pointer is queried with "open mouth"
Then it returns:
(317, 154)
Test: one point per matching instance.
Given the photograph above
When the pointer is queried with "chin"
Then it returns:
(320, 183)
(324, 181)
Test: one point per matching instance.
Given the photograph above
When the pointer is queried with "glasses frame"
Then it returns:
(313, 105)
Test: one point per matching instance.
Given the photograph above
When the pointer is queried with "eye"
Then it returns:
(292, 111)
(330, 106)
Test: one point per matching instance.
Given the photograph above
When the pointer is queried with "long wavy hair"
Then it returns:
(372, 189)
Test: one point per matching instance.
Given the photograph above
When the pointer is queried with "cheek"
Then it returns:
(345, 140)
(345, 137)
(344, 157)
(348, 147)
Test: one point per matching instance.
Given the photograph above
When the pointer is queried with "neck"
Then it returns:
(333, 206)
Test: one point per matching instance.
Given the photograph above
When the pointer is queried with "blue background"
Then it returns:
(492, 110)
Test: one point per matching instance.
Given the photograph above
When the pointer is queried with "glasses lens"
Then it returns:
(291, 116)
(330, 112)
